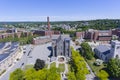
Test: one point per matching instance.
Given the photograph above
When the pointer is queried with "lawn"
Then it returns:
(69, 67)
(61, 67)
(28, 66)
(46, 65)
(53, 64)
(94, 67)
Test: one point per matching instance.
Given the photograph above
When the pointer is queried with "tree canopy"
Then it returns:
(39, 64)
(32, 74)
(103, 75)
(113, 67)
(18, 74)
(86, 51)
(78, 66)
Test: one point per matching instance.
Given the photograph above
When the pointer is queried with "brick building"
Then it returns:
(95, 35)
(116, 32)
(41, 40)
(80, 34)
(45, 32)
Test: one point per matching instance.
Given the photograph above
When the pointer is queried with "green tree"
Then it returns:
(18, 74)
(22, 34)
(113, 67)
(30, 74)
(103, 75)
(80, 76)
(39, 64)
(87, 51)
(41, 74)
(78, 65)
(53, 74)
(71, 76)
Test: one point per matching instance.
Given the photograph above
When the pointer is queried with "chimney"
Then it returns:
(48, 23)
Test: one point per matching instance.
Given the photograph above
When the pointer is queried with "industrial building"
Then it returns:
(47, 32)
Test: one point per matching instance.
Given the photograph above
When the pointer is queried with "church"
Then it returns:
(61, 45)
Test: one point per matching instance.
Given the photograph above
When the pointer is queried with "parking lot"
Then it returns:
(29, 57)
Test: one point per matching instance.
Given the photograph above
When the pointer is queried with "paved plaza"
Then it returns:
(39, 51)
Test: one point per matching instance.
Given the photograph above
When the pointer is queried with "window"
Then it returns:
(118, 47)
(106, 58)
(112, 46)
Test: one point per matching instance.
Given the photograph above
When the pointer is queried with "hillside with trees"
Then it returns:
(100, 24)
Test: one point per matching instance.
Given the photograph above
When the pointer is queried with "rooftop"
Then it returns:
(2, 45)
(103, 48)
(63, 36)
(116, 42)
(42, 37)
(9, 51)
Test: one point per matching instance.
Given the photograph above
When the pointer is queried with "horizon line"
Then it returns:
(60, 20)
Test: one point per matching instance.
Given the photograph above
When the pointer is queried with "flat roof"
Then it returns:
(2, 45)
(63, 36)
(3, 56)
(41, 37)
(12, 48)
(104, 31)
(102, 48)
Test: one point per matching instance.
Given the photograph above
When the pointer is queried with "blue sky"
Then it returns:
(58, 10)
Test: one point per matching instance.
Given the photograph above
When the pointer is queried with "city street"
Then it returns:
(39, 51)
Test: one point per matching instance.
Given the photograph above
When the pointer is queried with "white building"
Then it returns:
(105, 52)
(115, 49)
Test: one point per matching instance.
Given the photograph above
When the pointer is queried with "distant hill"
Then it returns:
(100, 24)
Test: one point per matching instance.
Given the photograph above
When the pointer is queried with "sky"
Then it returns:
(58, 10)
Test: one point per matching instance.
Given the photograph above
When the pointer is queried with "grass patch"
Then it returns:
(53, 65)
(46, 65)
(69, 67)
(28, 66)
(61, 67)
(94, 67)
